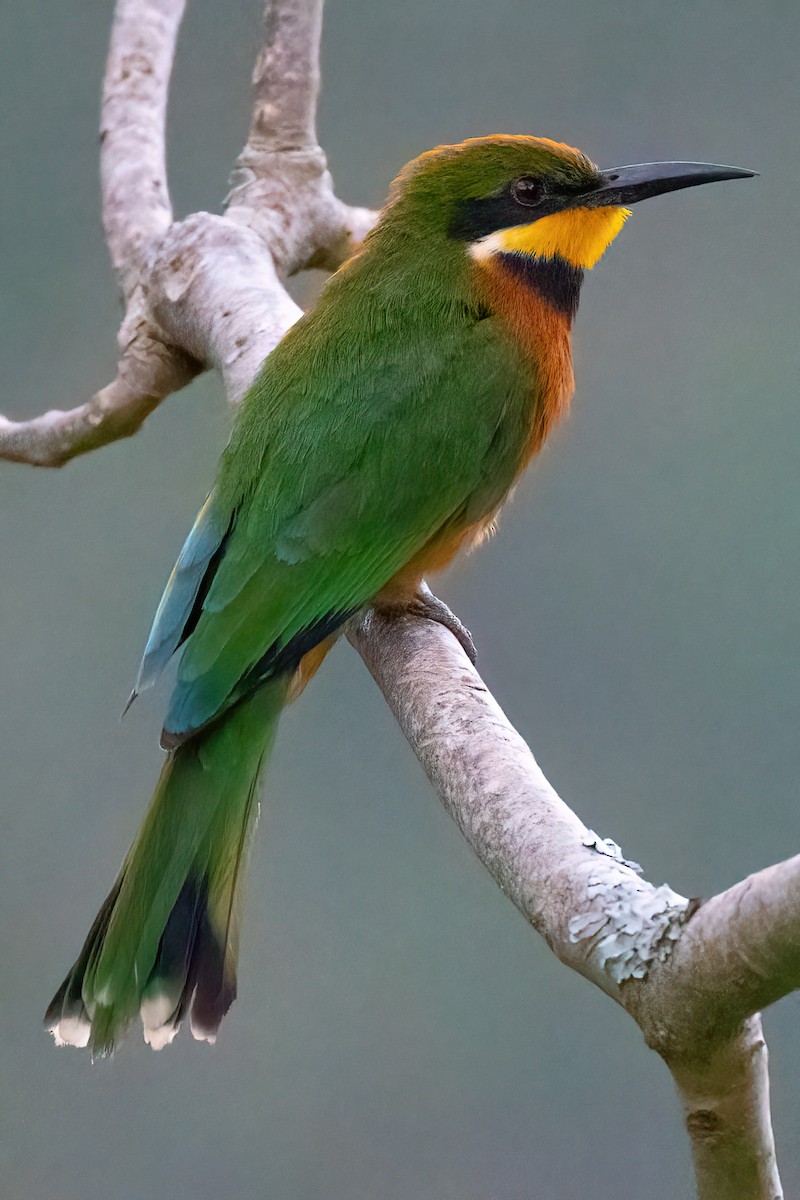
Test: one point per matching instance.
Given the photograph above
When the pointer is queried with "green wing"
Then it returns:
(351, 452)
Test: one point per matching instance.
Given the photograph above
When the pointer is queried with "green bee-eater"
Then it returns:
(379, 440)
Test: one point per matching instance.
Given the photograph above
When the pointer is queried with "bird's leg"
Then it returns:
(425, 604)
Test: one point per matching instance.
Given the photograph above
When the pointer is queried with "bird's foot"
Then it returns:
(426, 605)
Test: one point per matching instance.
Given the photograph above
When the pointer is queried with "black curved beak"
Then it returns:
(628, 185)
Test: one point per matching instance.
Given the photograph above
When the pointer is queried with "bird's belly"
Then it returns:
(538, 398)
(434, 556)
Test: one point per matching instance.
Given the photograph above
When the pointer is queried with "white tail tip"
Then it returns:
(71, 1031)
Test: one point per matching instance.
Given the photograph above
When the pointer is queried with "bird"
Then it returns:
(379, 440)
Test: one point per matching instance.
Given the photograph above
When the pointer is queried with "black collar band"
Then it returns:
(555, 280)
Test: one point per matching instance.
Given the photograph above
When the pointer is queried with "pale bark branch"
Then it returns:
(740, 953)
(215, 291)
(280, 183)
(146, 373)
(208, 292)
(575, 888)
(692, 977)
(724, 1091)
(136, 204)
(286, 82)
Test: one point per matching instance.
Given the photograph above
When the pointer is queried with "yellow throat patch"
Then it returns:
(580, 236)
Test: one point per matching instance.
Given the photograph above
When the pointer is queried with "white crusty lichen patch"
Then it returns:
(610, 849)
(631, 923)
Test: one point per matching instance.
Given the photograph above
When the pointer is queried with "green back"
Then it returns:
(394, 408)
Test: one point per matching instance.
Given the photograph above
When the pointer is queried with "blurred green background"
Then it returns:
(401, 1033)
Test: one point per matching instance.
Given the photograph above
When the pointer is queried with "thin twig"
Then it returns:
(286, 82)
(136, 204)
(280, 183)
(146, 373)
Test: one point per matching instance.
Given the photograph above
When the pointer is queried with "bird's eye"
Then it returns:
(527, 191)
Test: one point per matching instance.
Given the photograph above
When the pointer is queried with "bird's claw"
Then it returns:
(426, 605)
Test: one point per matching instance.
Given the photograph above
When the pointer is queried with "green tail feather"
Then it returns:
(165, 942)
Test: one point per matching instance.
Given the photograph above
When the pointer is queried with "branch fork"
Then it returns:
(206, 292)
